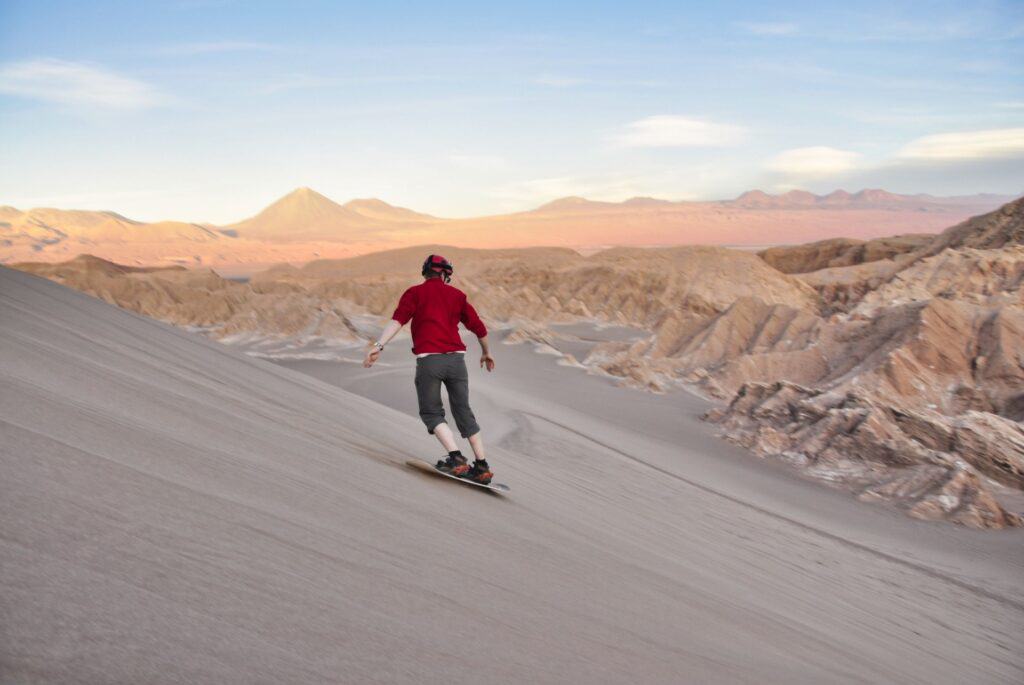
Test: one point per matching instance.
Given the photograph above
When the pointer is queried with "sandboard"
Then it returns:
(421, 465)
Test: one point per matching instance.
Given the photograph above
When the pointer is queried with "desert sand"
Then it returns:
(176, 511)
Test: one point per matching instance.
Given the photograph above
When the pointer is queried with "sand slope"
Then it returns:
(172, 511)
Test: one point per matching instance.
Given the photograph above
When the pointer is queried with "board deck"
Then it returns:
(421, 465)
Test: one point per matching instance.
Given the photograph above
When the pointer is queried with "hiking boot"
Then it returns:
(480, 473)
(454, 464)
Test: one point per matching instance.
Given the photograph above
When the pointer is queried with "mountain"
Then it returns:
(378, 210)
(871, 198)
(305, 215)
(305, 225)
(51, 226)
(572, 204)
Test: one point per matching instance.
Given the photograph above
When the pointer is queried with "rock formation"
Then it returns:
(202, 299)
(897, 370)
(914, 390)
(823, 254)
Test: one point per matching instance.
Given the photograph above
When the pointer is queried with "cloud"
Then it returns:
(993, 143)
(773, 28)
(218, 46)
(814, 161)
(75, 83)
(675, 131)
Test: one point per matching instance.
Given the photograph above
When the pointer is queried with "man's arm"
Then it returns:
(374, 349)
(486, 360)
(472, 321)
(390, 331)
(403, 312)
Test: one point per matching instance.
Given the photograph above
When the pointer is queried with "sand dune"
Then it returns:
(173, 511)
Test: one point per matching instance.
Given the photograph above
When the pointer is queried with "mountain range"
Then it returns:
(305, 225)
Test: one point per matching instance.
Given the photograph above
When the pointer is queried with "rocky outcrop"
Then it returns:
(919, 460)
(919, 394)
(1000, 228)
(223, 309)
(840, 252)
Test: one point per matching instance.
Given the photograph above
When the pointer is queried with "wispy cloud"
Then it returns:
(216, 47)
(771, 28)
(76, 83)
(993, 143)
(667, 130)
(816, 161)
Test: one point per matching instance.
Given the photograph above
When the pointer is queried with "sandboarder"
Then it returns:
(436, 308)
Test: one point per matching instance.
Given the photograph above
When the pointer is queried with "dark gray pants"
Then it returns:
(450, 369)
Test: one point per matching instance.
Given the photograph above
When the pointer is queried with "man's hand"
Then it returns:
(372, 354)
(487, 361)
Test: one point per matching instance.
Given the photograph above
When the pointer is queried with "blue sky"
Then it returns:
(208, 110)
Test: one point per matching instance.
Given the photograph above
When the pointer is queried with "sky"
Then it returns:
(208, 110)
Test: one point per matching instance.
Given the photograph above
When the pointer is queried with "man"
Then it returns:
(436, 308)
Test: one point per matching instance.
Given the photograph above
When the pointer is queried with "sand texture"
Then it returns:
(172, 511)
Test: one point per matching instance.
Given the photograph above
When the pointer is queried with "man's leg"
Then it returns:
(456, 380)
(445, 436)
(429, 376)
(428, 395)
(477, 443)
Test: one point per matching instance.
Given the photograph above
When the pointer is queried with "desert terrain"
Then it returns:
(305, 225)
(803, 461)
(175, 510)
(889, 368)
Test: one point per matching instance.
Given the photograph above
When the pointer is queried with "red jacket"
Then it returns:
(436, 309)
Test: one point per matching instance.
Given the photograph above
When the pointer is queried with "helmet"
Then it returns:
(436, 264)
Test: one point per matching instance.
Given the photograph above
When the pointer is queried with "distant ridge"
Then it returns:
(306, 225)
(378, 210)
(869, 198)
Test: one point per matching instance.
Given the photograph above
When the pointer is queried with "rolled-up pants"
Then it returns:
(450, 369)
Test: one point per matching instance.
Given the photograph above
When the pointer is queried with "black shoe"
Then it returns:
(480, 473)
(455, 465)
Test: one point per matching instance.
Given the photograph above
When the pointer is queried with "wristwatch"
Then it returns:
(376, 343)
